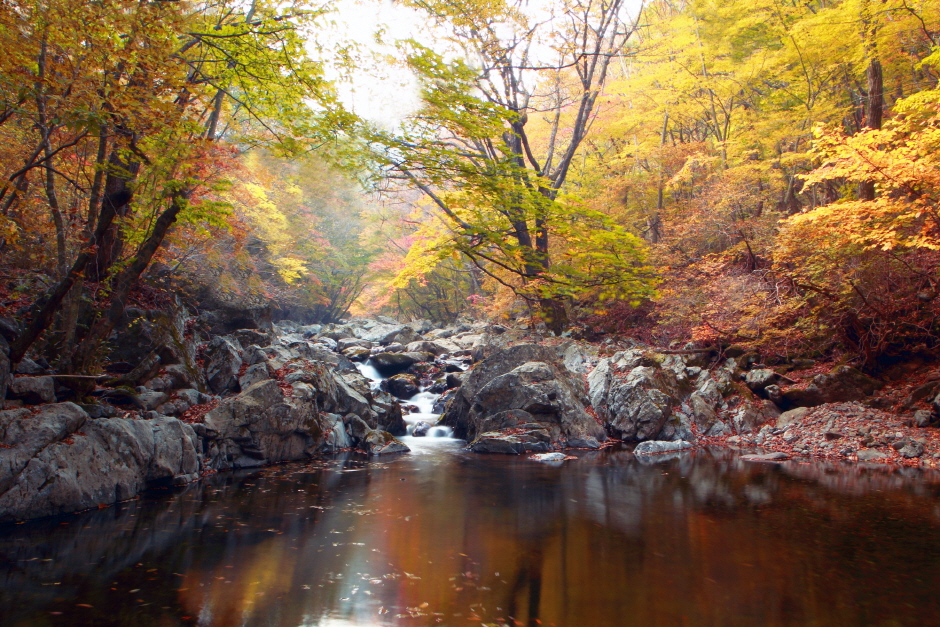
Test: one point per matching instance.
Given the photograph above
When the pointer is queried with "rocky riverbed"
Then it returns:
(219, 398)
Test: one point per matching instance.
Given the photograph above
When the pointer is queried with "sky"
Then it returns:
(378, 90)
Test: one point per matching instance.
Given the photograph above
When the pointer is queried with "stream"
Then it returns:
(442, 536)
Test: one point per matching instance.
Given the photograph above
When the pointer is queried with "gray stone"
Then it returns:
(352, 342)
(766, 457)
(403, 385)
(249, 337)
(32, 390)
(498, 443)
(717, 430)
(222, 364)
(261, 426)
(638, 405)
(421, 429)
(150, 400)
(425, 346)
(392, 363)
(654, 447)
(792, 416)
(924, 418)
(384, 443)
(253, 374)
(912, 450)
(52, 468)
(357, 353)
(870, 454)
(760, 378)
(29, 367)
(842, 384)
(541, 393)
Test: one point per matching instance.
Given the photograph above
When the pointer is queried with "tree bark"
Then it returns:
(124, 282)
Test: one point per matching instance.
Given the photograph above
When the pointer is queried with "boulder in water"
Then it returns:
(403, 385)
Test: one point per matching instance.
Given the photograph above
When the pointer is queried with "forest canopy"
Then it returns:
(762, 173)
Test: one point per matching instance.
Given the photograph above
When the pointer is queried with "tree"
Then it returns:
(493, 146)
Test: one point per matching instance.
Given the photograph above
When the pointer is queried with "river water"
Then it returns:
(441, 536)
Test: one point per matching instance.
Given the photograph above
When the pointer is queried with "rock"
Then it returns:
(935, 405)
(261, 426)
(231, 317)
(760, 378)
(498, 443)
(703, 412)
(588, 442)
(792, 416)
(458, 412)
(384, 443)
(774, 393)
(181, 400)
(9, 329)
(454, 380)
(548, 457)
(924, 418)
(253, 374)
(357, 353)
(222, 364)
(29, 367)
(425, 346)
(912, 450)
(352, 342)
(638, 405)
(538, 393)
(336, 437)
(59, 460)
(392, 363)
(403, 385)
(421, 429)
(749, 417)
(249, 337)
(388, 333)
(717, 430)
(765, 457)
(842, 384)
(575, 360)
(32, 390)
(654, 447)
(142, 332)
(870, 454)
(150, 400)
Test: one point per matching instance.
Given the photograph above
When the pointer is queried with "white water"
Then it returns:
(438, 435)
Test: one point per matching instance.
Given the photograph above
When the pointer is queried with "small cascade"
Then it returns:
(424, 402)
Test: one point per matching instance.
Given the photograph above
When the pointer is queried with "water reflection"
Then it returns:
(447, 538)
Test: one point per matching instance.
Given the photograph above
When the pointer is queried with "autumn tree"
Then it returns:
(493, 146)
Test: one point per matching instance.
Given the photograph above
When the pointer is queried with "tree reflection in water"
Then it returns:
(449, 538)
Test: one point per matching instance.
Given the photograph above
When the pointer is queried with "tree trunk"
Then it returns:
(124, 282)
(117, 187)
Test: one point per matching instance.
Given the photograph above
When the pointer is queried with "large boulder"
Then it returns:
(457, 413)
(262, 425)
(393, 363)
(403, 385)
(32, 390)
(58, 460)
(141, 332)
(843, 384)
(523, 387)
(388, 333)
(634, 406)
(222, 365)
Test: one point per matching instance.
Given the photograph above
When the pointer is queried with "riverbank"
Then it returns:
(220, 398)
